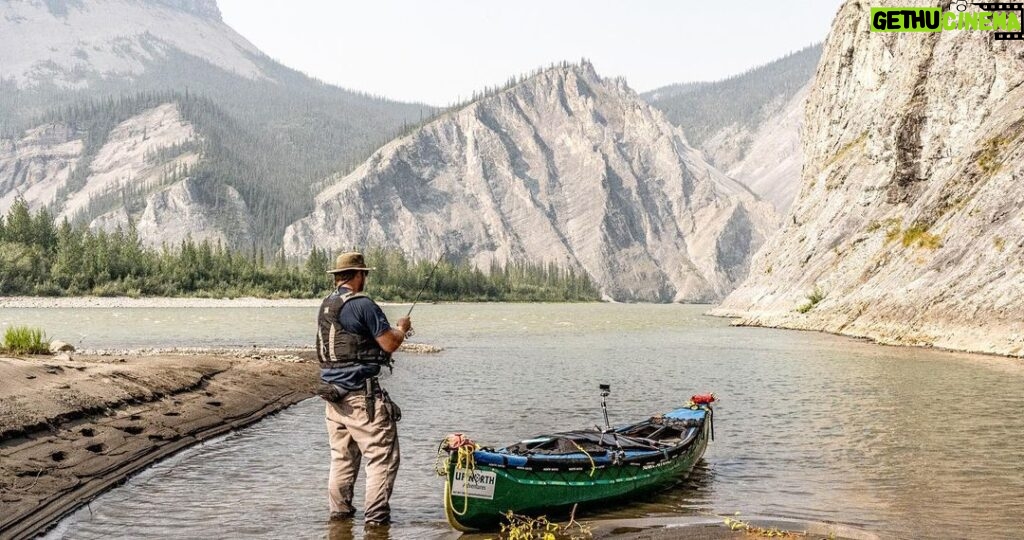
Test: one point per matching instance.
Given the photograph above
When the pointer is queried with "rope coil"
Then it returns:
(462, 447)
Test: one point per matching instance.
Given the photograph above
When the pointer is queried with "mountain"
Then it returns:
(563, 167)
(71, 43)
(748, 125)
(139, 170)
(268, 133)
(909, 225)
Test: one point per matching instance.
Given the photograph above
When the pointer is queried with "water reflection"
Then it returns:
(348, 530)
(692, 496)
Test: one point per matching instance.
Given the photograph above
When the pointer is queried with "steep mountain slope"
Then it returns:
(748, 125)
(909, 222)
(142, 171)
(275, 132)
(565, 167)
(772, 158)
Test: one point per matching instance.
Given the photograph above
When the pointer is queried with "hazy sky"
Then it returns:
(439, 51)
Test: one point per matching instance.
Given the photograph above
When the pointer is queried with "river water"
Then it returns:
(907, 443)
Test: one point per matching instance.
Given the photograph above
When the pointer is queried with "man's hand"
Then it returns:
(390, 340)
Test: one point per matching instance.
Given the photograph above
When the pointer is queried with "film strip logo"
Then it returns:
(961, 5)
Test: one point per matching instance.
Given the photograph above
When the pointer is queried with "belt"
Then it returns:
(334, 393)
(362, 391)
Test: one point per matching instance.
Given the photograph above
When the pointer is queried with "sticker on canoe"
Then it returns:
(479, 485)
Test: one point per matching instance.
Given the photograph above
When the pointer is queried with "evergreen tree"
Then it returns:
(19, 223)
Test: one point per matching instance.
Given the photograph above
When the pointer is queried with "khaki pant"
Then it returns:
(353, 436)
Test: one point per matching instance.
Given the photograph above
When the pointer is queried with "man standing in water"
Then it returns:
(354, 340)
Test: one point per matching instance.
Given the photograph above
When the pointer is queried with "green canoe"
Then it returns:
(550, 474)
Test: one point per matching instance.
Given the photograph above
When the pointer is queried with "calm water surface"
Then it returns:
(908, 443)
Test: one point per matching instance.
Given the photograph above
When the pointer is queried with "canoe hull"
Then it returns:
(481, 502)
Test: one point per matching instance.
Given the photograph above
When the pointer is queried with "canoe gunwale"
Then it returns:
(540, 462)
(534, 463)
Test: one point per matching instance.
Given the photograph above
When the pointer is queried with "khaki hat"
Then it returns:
(351, 260)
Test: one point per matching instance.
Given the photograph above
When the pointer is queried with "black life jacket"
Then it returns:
(337, 347)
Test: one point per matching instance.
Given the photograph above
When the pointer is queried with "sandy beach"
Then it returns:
(71, 428)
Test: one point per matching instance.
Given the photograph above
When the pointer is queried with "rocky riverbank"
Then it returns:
(71, 428)
(995, 337)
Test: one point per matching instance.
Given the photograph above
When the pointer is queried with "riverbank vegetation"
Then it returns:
(813, 299)
(25, 340)
(40, 258)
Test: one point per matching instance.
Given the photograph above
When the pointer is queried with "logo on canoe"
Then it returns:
(475, 484)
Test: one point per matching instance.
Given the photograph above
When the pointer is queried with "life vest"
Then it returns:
(337, 347)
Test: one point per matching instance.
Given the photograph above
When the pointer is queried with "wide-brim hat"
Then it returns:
(350, 260)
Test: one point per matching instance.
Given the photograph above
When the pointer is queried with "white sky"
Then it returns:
(439, 51)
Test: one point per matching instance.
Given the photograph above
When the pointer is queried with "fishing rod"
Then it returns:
(427, 281)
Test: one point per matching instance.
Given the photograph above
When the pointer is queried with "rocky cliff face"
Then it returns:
(909, 221)
(38, 164)
(145, 157)
(564, 167)
(71, 43)
(184, 210)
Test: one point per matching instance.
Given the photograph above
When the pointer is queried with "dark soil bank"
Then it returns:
(72, 428)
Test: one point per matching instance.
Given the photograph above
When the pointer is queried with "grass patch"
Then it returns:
(25, 340)
(918, 235)
(990, 158)
(813, 299)
(892, 231)
(842, 152)
(892, 226)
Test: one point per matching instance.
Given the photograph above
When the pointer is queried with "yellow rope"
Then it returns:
(593, 467)
(463, 460)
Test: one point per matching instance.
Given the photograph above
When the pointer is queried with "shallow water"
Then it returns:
(908, 443)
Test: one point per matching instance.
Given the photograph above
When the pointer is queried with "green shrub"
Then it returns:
(813, 299)
(25, 340)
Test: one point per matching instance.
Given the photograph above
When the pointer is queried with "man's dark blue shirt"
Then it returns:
(364, 317)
